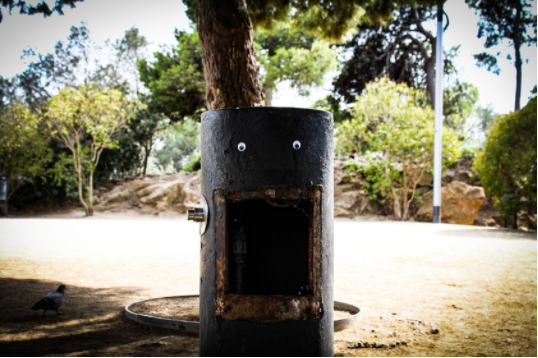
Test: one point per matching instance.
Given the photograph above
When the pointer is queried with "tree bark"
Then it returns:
(517, 49)
(89, 211)
(430, 69)
(228, 54)
(147, 151)
(268, 93)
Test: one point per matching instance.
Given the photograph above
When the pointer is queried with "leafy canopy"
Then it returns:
(176, 78)
(24, 145)
(507, 164)
(41, 8)
(86, 120)
(389, 121)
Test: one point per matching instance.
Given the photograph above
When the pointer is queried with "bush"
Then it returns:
(194, 164)
(389, 121)
(181, 141)
(507, 164)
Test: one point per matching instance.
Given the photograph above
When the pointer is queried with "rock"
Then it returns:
(463, 176)
(459, 204)
(435, 330)
(486, 218)
(393, 345)
(339, 212)
(426, 180)
(153, 194)
(360, 345)
(422, 191)
(367, 344)
(448, 176)
(404, 342)
(347, 200)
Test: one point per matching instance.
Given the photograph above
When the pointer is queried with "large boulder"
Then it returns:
(459, 204)
(152, 194)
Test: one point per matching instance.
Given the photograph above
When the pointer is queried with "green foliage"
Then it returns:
(333, 105)
(195, 162)
(458, 104)
(469, 152)
(507, 164)
(24, 145)
(377, 185)
(388, 121)
(285, 54)
(176, 79)
(181, 142)
(505, 20)
(86, 121)
(327, 20)
(41, 8)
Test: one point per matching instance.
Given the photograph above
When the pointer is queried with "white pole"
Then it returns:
(438, 138)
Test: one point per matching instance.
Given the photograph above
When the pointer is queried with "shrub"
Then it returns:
(389, 121)
(507, 164)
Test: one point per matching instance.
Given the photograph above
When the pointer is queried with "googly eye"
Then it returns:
(296, 145)
(241, 147)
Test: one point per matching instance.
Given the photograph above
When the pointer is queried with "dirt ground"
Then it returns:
(476, 286)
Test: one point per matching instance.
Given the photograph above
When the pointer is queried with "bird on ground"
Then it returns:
(51, 302)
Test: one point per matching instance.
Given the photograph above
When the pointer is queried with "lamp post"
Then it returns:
(438, 138)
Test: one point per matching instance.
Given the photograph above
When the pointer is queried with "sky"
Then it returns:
(157, 19)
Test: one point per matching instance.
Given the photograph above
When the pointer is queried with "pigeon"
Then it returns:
(51, 302)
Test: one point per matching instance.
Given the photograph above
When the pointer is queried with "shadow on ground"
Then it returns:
(93, 325)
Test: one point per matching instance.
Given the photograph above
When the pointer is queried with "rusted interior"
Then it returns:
(268, 250)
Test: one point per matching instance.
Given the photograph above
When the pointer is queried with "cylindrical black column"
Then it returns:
(266, 286)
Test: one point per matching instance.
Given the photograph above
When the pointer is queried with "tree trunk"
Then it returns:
(228, 55)
(429, 68)
(89, 210)
(268, 90)
(397, 206)
(517, 49)
(80, 192)
(146, 159)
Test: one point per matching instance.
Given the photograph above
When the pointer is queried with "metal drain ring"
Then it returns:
(194, 326)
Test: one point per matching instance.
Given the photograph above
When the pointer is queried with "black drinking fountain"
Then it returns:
(266, 226)
(266, 285)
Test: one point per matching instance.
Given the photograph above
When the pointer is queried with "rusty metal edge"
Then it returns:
(346, 322)
(176, 324)
(194, 326)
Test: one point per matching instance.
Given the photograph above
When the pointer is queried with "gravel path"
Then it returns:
(432, 290)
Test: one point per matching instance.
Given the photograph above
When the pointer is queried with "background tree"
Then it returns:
(505, 19)
(69, 65)
(175, 79)
(86, 120)
(507, 164)
(24, 145)
(41, 8)
(388, 120)
(402, 50)
(181, 143)
(287, 54)
(226, 37)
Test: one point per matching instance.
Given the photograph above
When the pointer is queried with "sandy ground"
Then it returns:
(476, 285)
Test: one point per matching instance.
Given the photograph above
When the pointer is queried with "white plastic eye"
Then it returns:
(241, 147)
(296, 145)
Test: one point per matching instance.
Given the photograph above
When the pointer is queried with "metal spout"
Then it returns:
(196, 214)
